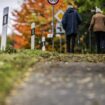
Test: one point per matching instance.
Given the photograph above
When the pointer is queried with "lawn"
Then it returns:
(12, 67)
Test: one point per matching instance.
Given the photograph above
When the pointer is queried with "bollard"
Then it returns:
(43, 43)
(33, 36)
(4, 29)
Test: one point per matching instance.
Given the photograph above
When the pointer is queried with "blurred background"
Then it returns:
(22, 13)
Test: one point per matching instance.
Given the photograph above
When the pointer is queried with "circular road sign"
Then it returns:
(53, 2)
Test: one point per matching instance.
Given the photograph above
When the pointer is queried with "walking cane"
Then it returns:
(78, 38)
(90, 42)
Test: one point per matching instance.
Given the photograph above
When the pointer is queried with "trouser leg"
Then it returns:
(68, 38)
(98, 38)
(73, 42)
(102, 41)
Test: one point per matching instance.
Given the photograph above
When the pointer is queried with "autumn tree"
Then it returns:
(38, 11)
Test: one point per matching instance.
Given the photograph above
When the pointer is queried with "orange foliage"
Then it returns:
(38, 11)
(19, 41)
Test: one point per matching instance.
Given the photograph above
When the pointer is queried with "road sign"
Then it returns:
(59, 15)
(4, 29)
(53, 2)
(59, 28)
(50, 35)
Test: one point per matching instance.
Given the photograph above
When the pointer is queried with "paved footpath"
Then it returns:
(62, 83)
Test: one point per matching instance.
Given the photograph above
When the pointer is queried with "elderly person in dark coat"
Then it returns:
(70, 22)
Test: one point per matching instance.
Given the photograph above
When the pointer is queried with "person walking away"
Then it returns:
(70, 22)
(97, 25)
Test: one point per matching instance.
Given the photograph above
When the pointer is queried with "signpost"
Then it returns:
(59, 31)
(59, 27)
(53, 2)
(33, 36)
(4, 29)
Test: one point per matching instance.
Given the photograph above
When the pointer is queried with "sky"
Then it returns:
(12, 4)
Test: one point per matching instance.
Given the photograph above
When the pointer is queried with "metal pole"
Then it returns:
(78, 39)
(90, 40)
(53, 26)
(60, 43)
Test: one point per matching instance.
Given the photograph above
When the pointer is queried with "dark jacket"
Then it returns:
(70, 21)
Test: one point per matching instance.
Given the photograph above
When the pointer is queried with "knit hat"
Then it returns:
(98, 10)
(70, 6)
